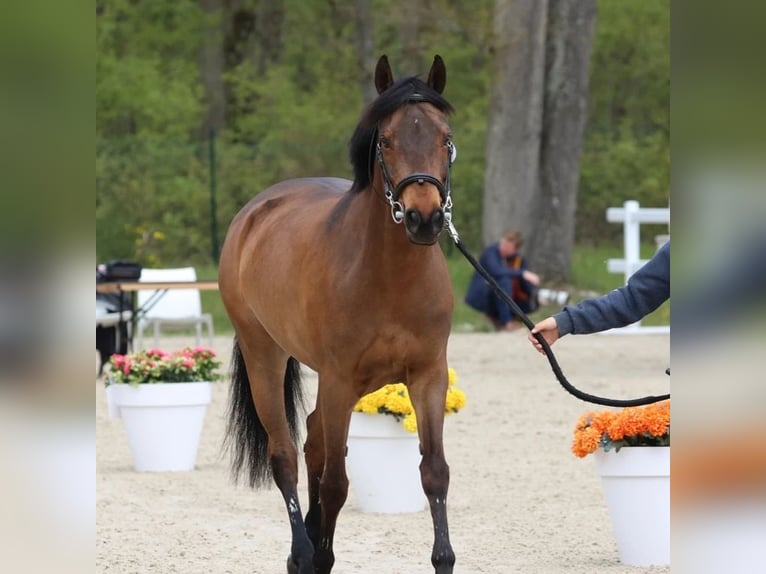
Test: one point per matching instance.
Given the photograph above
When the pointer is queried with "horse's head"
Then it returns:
(411, 147)
(414, 150)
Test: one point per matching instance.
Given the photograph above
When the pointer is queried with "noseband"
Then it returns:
(392, 192)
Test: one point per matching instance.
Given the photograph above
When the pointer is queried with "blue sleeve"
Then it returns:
(647, 289)
(496, 265)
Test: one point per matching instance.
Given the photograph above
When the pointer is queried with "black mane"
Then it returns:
(362, 142)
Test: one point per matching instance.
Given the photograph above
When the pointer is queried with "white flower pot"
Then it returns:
(163, 422)
(383, 465)
(636, 482)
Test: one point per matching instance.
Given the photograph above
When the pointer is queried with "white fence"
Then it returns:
(632, 215)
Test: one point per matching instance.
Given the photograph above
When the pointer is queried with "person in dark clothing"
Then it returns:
(505, 264)
(646, 290)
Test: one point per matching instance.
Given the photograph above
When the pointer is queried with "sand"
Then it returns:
(519, 501)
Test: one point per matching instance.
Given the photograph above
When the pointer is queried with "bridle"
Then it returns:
(392, 192)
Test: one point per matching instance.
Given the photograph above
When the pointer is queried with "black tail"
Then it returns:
(245, 436)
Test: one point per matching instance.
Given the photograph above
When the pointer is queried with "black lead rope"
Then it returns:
(546, 347)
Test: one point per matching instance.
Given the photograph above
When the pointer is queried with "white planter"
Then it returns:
(383, 465)
(636, 482)
(163, 422)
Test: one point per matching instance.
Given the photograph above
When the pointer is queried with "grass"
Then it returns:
(590, 278)
(211, 302)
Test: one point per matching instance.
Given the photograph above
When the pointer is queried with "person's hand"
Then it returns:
(548, 329)
(533, 278)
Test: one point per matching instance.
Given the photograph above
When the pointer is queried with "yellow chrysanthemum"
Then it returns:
(410, 422)
(398, 404)
(394, 398)
(365, 405)
(455, 400)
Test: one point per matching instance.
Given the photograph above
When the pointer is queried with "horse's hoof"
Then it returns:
(292, 567)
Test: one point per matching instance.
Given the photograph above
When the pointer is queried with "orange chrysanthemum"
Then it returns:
(636, 426)
(586, 441)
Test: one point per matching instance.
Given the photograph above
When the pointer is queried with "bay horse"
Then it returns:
(319, 271)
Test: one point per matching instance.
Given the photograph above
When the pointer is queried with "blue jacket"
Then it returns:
(479, 292)
(647, 289)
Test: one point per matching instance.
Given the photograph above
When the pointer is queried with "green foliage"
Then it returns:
(615, 171)
(147, 78)
(293, 116)
(212, 303)
(152, 202)
(627, 144)
(150, 174)
(630, 67)
(591, 278)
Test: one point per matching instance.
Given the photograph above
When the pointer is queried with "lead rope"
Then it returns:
(583, 396)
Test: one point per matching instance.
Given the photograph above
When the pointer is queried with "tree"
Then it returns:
(515, 116)
(567, 65)
(537, 119)
(627, 143)
(365, 54)
(212, 63)
(410, 30)
(294, 74)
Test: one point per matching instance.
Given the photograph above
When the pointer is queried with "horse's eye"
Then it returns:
(385, 142)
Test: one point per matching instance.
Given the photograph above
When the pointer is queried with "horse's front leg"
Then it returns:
(428, 391)
(335, 416)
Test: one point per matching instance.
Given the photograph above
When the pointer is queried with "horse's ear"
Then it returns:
(437, 77)
(383, 76)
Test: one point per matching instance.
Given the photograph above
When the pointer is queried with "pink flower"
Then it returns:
(158, 365)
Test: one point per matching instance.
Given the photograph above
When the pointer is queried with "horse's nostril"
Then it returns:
(437, 219)
(413, 218)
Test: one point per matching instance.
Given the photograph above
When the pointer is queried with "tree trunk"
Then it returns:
(365, 56)
(537, 119)
(515, 117)
(211, 62)
(269, 22)
(571, 26)
(409, 30)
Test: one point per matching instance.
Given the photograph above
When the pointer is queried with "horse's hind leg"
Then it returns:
(314, 456)
(334, 408)
(266, 369)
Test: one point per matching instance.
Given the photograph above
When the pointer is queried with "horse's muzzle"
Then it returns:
(424, 231)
